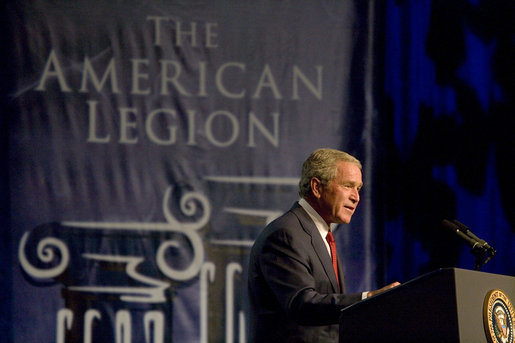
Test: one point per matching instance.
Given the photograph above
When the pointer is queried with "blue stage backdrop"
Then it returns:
(151, 141)
(447, 145)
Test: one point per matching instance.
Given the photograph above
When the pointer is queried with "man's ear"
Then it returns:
(316, 186)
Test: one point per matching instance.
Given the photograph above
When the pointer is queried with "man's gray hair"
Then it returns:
(322, 165)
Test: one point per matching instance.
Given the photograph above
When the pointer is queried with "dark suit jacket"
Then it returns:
(293, 292)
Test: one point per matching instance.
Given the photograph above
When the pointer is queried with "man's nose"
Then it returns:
(354, 195)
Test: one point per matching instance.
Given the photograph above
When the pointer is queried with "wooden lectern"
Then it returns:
(446, 305)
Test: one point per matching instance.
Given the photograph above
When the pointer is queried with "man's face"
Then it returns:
(338, 199)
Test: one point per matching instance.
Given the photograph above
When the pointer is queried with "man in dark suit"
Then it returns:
(296, 283)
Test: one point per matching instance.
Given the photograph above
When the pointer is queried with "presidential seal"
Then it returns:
(498, 316)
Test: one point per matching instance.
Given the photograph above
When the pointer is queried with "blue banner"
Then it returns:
(150, 142)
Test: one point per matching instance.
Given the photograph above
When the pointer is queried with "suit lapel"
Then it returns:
(318, 245)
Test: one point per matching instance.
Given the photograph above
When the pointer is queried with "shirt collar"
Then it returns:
(319, 221)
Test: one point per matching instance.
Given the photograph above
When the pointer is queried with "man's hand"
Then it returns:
(381, 290)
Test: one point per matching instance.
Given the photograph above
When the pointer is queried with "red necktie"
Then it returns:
(332, 246)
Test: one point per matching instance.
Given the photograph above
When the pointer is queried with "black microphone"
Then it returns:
(456, 229)
(463, 228)
(479, 248)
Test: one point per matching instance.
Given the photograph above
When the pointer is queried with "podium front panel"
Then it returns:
(442, 306)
